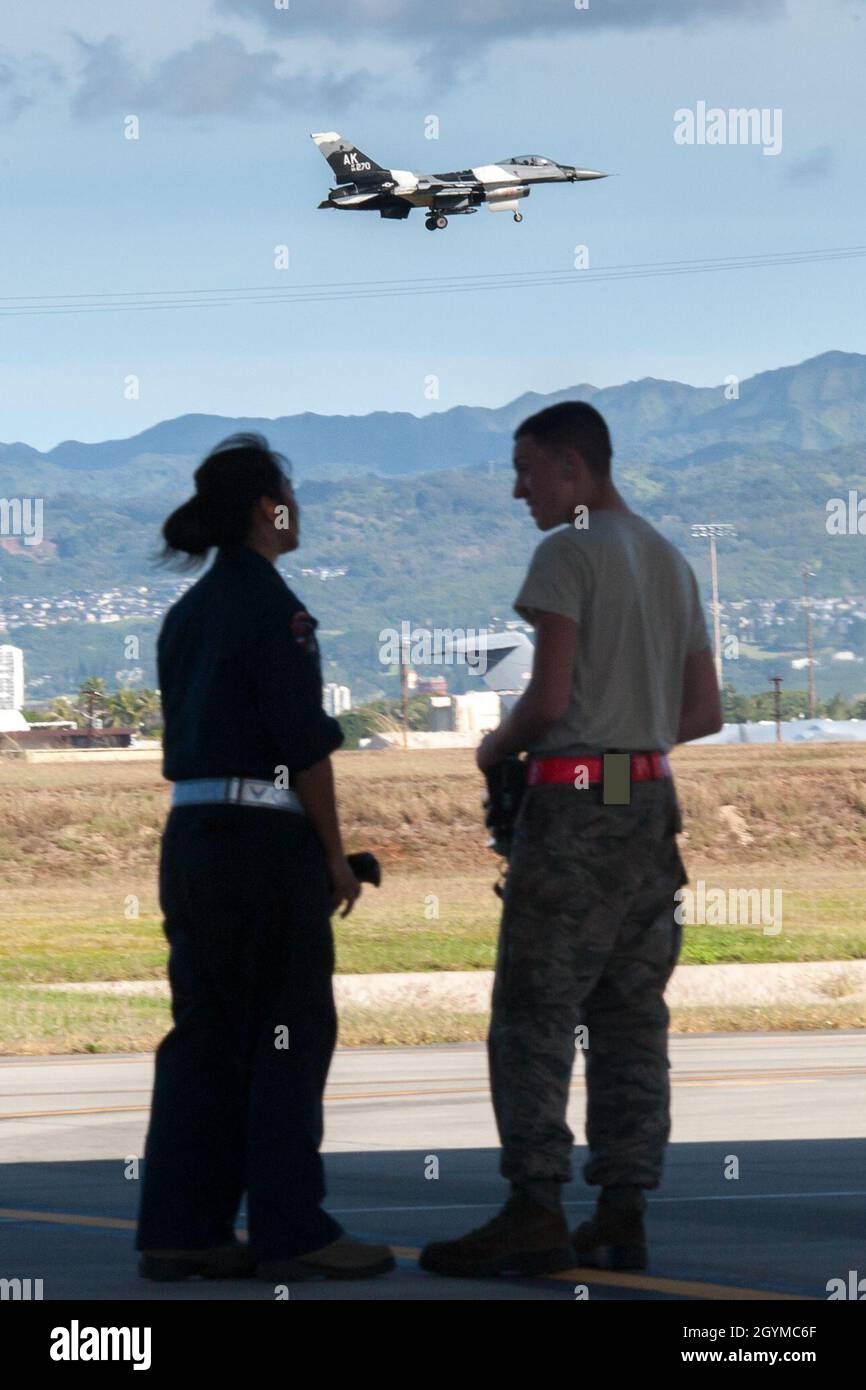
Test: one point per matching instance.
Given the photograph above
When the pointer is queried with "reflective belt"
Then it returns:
(240, 791)
(645, 767)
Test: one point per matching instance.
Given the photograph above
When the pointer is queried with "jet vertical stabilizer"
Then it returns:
(347, 162)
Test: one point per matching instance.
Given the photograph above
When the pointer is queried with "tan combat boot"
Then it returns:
(524, 1238)
(343, 1258)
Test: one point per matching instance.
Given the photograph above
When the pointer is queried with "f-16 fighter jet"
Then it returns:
(363, 185)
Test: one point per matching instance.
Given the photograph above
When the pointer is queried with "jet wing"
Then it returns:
(458, 192)
(454, 198)
(445, 186)
(353, 200)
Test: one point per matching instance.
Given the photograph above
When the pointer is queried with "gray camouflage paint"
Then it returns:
(364, 185)
(588, 939)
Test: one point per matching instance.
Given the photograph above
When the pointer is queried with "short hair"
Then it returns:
(576, 425)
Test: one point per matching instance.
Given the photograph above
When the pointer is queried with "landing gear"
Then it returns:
(436, 223)
(518, 217)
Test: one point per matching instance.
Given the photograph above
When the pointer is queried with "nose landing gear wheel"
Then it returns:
(436, 223)
(518, 217)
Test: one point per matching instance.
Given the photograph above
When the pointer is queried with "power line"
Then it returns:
(757, 257)
(418, 285)
(16, 306)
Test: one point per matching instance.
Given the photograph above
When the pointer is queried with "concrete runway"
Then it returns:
(789, 1108)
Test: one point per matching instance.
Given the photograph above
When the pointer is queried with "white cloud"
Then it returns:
(211, 77)
(22, 82)
(814, 167)
(489, 20)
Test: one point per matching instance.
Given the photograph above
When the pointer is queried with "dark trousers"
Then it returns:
(587, 944)
(237, 1099)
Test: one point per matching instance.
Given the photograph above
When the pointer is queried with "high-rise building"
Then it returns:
(11, 677)
(337, 699)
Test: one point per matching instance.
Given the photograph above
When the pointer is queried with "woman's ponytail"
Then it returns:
(186, 531)
(232, 477)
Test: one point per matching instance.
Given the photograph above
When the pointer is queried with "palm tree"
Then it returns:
(61, 708)
(91, 696)
(124, 707)
(150, 710)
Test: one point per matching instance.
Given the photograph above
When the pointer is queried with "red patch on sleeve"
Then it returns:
(303, 630)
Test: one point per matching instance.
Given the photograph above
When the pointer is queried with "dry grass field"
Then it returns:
(79, 846)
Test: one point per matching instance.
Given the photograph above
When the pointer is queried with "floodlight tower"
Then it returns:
(807, 604)
(711, 530)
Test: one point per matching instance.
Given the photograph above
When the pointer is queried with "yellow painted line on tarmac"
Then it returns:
(647, 1283)
(686, 1287)
(711, 1079)
(788, 1080)
(765, 1078)
(743, 1079)
(93, 1091)
(650, 1283)
(85, 1110)
(63, 1218)
(384, 1095)
(686, 1078)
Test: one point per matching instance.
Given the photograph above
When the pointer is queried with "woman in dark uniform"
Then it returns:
(252, 865)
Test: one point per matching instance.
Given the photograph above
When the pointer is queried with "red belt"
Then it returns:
(645, 767)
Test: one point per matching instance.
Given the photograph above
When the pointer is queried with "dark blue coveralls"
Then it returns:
(244, 891)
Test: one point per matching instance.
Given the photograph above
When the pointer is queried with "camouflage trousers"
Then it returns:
(587, 944)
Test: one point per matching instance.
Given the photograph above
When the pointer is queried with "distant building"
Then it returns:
(793, 731)
(477, 713)
(424, 738)
(469, 716)
(11, 677)
(431, 685)
(337, 699)
(441, 714)
(506, 666)
(12, 721)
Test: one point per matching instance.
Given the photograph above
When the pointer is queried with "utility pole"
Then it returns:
(404, 689)
(90, 695)
(711, 531)
(777, 703)
(807, 575)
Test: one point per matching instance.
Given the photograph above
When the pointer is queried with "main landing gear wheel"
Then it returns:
(518, 217)
(434, 224)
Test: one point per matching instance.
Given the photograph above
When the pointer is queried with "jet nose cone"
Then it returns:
(587, 174)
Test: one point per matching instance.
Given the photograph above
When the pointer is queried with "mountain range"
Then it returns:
(418, 511)
(817, 405)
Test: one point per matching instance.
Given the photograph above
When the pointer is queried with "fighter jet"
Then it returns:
(363, 185)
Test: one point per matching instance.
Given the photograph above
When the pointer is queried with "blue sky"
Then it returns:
(227, 91)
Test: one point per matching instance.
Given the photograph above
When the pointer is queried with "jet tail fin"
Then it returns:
(346, 161)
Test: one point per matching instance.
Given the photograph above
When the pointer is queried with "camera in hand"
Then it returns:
(506, 784)
(365, 867)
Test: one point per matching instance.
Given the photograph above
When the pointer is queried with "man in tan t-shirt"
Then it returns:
(622, 671)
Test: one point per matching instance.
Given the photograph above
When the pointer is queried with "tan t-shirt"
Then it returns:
(638, 610)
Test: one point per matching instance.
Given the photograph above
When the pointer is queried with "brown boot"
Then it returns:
(343, 1258)
(524, 1238)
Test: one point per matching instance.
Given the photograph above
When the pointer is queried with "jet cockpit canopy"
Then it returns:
(535, 161)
